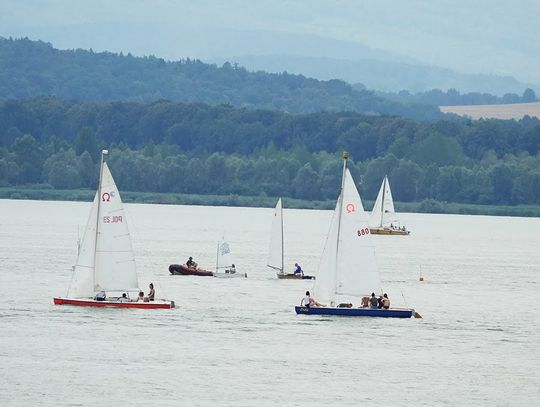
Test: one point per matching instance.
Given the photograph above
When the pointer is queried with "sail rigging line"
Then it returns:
(404, 300)
(73, 267)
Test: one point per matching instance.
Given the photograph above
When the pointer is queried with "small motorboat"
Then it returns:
(183, 270)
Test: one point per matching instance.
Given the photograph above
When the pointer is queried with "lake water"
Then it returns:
(238, 342)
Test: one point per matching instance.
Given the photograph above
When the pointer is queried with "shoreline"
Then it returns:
(170, 198)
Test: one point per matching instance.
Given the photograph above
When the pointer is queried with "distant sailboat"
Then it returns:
(347, 271)
(105, 261)
(276, 252)
(225, 262)
(384, 219)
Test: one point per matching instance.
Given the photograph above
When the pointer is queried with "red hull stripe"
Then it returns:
(143, 305)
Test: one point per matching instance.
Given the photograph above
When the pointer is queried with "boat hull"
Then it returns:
(183, 270)
(355, 312)
(389, 231)
(114, 304)
(230, 275)
(284, 276)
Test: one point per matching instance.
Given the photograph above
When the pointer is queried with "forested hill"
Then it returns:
(34, 68)
(196, 148)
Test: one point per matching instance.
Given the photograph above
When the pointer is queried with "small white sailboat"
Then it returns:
(105, 260)
(225, 262)
(276, 252)
(347, 271)
(384, 219)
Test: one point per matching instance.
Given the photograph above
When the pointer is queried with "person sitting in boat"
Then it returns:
(231, 270)
(124, 298)
(380, 302)
(308, 301)
(298, 271)
(151, 293)
(385, 301)
(100, 296)
(191, 263)
(365, 302)
(140, 298)
(373, 301)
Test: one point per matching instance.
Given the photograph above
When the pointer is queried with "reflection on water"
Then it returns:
(238, 342)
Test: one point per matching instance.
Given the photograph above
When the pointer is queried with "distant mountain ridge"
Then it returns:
(34, 68)
(382, 74)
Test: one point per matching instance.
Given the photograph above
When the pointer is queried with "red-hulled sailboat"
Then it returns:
(105, 262)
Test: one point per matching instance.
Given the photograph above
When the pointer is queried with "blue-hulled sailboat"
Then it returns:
(347, 271)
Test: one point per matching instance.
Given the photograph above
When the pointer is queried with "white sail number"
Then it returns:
(112, 219)
(362, 232)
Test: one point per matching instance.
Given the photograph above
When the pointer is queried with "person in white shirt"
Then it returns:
(308, 301)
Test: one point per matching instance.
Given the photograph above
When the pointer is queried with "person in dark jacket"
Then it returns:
(151, 293)
(373, 301)
(298, 270)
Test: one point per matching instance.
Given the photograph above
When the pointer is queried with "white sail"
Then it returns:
(323, 288)
(224, 257)
(114, 261)
(105, 260)
(347, 265)
(383, 213)
(357, 272)
(82, 283)
(275, 253)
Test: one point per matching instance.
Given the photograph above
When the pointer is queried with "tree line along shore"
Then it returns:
(426, 206)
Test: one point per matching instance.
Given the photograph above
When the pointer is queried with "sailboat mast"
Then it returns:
(382, 199)
(104, 154)
(282, 243)
(345, 158)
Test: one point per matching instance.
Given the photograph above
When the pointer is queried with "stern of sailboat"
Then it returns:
(355, 312)
(115, 304)
(387, 231)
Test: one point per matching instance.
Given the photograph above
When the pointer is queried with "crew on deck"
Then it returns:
(373, 301)
(191, 263)
(151, 293)
(308, 301)
(385, 301)
(100, 296)
(298, 271)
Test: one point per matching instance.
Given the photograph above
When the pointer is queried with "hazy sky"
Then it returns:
(474, 36)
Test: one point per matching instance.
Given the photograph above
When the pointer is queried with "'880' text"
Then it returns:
(362, 232)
